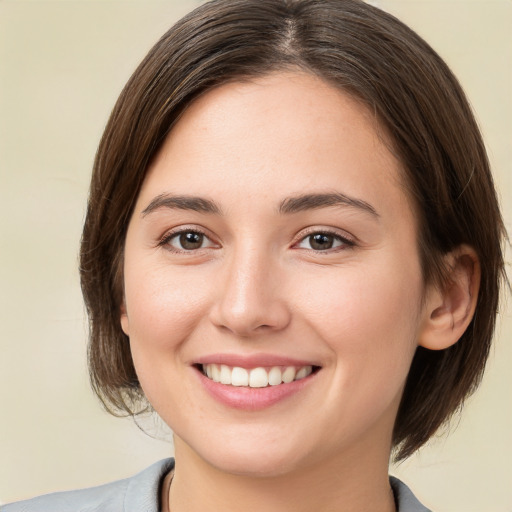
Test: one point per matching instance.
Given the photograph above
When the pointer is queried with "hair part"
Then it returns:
(364, 52)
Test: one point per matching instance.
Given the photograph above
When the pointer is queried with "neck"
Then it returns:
(356, 484)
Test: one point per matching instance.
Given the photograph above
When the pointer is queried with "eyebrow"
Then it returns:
(287, 206)
(314, 201)
(197, 204)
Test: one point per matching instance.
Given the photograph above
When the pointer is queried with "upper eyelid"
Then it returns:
(345, 243)
(342, 234)
(303, 233)
(184, 229)
(171, 233)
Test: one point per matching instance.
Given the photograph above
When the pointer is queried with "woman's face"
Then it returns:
(273, 240)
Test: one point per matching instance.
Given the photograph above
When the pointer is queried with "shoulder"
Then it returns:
(139, 493)
(405, 499)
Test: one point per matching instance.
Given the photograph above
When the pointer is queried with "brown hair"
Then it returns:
(365, 52)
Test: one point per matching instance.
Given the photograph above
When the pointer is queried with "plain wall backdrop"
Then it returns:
(62, 66)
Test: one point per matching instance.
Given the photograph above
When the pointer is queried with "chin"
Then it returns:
(261, 466)
(250, 458)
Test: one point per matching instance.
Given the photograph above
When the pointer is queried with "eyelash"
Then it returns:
(168, 237)
(344, 242)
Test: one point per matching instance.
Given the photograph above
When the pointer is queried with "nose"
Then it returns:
(250, 299)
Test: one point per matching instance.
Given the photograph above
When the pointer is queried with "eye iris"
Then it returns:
(191, 240)
(321, 241)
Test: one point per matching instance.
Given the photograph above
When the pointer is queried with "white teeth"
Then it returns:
(256, 377)
(303, 372)
(289, 374)
(215, 372)
(239, 377)
(225, 374)
(274, 376)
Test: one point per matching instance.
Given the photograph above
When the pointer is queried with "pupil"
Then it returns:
(191, 240)
(321, 241)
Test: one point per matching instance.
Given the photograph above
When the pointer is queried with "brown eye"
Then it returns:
(321, 241)
(188, 241)
(191, 240)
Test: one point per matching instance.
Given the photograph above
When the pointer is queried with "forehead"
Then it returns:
(281, 133)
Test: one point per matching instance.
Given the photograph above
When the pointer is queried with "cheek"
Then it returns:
(164, 308)
(369, 321)
(163, 305)
(368, 315)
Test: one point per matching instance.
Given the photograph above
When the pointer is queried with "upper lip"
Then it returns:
(253, 361)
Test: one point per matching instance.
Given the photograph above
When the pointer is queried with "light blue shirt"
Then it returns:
(141, 493)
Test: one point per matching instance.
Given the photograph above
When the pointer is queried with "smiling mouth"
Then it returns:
(260, 377)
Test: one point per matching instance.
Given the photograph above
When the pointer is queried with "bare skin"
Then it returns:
(274, 226)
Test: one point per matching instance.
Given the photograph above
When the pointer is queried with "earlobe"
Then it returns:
(124, 319)
(449, 309)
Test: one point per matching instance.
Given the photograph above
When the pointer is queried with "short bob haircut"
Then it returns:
(416, 100)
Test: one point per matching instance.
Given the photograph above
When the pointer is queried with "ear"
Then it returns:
(125, 324)
(449, 310)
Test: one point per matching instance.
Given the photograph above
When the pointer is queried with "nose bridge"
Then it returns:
(250, 300)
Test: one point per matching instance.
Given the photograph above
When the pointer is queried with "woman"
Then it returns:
(292, 252)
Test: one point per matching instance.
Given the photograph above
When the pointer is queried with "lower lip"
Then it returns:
(253, 399)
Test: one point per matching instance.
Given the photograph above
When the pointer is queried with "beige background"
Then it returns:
(62, 65)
